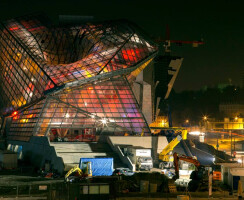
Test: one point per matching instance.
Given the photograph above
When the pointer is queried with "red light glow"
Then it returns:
(131, 54)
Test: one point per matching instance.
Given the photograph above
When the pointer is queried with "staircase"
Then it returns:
(71, 152)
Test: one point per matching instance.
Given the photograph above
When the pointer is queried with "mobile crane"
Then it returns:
(166, 154)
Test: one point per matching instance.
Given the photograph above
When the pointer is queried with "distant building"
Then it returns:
(226, 124)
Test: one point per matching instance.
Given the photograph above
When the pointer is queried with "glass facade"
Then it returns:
(60, 80)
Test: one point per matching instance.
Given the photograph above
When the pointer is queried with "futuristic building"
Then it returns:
(76, 83)
(70, 80)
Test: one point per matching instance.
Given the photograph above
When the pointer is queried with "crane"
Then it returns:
(166, 154)
(163, 57)
(167, 42)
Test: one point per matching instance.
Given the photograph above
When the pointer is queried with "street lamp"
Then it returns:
(204, 122)
(205, 118)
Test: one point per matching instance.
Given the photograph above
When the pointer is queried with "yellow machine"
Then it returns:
(74, 169)
(87, 171)
(166, 154)
(142, 132)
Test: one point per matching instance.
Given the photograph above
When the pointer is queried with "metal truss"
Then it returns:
(70, 76)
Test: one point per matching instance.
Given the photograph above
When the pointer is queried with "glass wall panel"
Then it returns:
(42, 67)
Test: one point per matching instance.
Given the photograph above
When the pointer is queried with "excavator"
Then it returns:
(199, 177)
(183, 158)
(166, 154)
(79, 173)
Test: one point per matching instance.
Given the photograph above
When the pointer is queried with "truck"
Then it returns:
(140, 157)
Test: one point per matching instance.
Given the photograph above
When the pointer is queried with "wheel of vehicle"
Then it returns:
(193, 185)
(194, 175)
(162, 165)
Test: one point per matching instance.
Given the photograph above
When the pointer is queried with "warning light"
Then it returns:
(15, 113)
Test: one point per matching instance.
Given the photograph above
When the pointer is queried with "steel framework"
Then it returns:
(71, 77)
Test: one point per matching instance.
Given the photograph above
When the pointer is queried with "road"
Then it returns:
(223, 139)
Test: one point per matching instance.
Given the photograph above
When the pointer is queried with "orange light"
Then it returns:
(30, 116)
(15, 113)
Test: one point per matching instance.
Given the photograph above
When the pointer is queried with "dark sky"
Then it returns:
(219, 23)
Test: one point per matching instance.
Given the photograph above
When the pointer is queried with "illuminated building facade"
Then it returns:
(70, 80)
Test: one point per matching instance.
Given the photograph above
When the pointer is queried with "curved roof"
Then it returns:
(38, 58)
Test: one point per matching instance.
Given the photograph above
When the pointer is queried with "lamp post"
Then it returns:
(217, 146)
(230, 133)
(205, 119)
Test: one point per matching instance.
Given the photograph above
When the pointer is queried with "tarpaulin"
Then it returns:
(100, 166)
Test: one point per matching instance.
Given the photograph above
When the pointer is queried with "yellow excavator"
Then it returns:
(77, 172)
(166, 154)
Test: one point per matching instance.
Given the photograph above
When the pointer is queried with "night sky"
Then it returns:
(219, 23)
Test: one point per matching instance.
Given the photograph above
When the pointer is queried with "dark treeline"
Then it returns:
(193, 105)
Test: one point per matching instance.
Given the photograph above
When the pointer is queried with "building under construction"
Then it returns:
(75, 82)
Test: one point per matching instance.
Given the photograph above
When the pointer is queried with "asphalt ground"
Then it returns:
(223, 139)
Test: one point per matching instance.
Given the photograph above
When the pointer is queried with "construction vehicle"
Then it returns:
(76, 170)
(166, 154)
(199, 177)
(79, 173)
(144, 163)
(140, 157)
(183, 158)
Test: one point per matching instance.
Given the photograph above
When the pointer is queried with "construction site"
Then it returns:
(82, 118)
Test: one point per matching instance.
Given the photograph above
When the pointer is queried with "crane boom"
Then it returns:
(164, 154)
